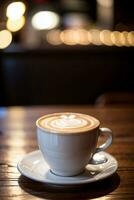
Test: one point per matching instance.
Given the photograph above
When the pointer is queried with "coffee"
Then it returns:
(68, 141)
(66, 123)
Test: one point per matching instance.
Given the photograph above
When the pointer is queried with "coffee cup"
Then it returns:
(68, 141)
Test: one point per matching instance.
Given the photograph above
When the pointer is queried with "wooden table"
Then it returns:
(18, 137)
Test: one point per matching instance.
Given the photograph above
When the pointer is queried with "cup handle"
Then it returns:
(108, 133)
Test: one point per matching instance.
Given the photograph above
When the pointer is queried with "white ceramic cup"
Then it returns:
(68, 154)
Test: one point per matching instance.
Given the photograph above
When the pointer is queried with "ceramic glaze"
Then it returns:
(67, 154)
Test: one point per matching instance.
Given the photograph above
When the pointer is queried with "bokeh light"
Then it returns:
(45, 20)
(53, 37)
(130, 38)
(116, 38)
(94, 36)
(15, 25)
(5, 38)
(105, 3)
(68, 37)
(105, 37)
(123, 38)
(82, 37)
(15, 10)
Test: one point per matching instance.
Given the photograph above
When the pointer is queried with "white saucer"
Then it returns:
(34, 167)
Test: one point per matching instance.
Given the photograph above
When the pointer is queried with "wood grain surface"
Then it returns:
(18, 137)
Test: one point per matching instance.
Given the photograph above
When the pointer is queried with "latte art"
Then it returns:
(67, 123)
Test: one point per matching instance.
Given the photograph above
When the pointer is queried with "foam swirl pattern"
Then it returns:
(67, 123)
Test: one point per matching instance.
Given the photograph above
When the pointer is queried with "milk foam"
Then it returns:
(68, 122)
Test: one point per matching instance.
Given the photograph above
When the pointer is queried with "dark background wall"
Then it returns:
(64, 75)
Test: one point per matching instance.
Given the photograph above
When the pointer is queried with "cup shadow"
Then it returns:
(55, 192)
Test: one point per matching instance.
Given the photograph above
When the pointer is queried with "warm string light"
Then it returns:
(15, 21)
(130, 38)
(15, 25)
(46, 20)
(94, 36)
(82, 37)
(53, 37)
(91, 37)
(5, 39)
(105, 37)
(68, 37)
(15, 12)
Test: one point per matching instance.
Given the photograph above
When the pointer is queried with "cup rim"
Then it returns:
(64, 132)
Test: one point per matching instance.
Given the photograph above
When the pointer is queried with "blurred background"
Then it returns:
(66, 52)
